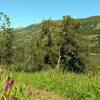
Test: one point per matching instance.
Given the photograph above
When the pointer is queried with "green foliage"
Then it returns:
(6, 40)
(54, 45)
(8, 51)
(74, 50)
(46, 45)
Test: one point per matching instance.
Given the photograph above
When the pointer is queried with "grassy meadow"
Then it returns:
(69, 85)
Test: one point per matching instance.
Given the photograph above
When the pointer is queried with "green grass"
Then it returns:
(95, 58)
(77, 86)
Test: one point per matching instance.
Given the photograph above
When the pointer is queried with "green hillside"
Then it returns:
(90, 27)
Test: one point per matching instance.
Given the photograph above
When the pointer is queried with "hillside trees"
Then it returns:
(55, 45)
(6, 40)
(41, 48)
(60, 45)
(74, 50)
(36, 62)
(47, 38)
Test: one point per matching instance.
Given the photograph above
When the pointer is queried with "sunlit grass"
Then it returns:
(78, 86)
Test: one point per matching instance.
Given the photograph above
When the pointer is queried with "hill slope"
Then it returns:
(90, 27)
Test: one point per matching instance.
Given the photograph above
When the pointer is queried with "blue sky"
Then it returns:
(26, 12)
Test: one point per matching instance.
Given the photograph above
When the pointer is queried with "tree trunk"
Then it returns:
(59, 59)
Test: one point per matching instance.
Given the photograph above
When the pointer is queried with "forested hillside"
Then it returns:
(66, 44)
(90, 28)
(51, 44)
(32, 36)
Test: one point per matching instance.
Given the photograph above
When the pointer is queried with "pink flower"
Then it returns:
(15, 98)
(9, 84)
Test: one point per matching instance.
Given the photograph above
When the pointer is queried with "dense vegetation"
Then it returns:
(6, 41)
(59, 45)
(68, 45)
(26, 39)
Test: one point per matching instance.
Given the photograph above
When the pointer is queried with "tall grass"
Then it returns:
(77, 86)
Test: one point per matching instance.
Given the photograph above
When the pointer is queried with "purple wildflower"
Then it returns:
(9, 84)
(15, 98)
